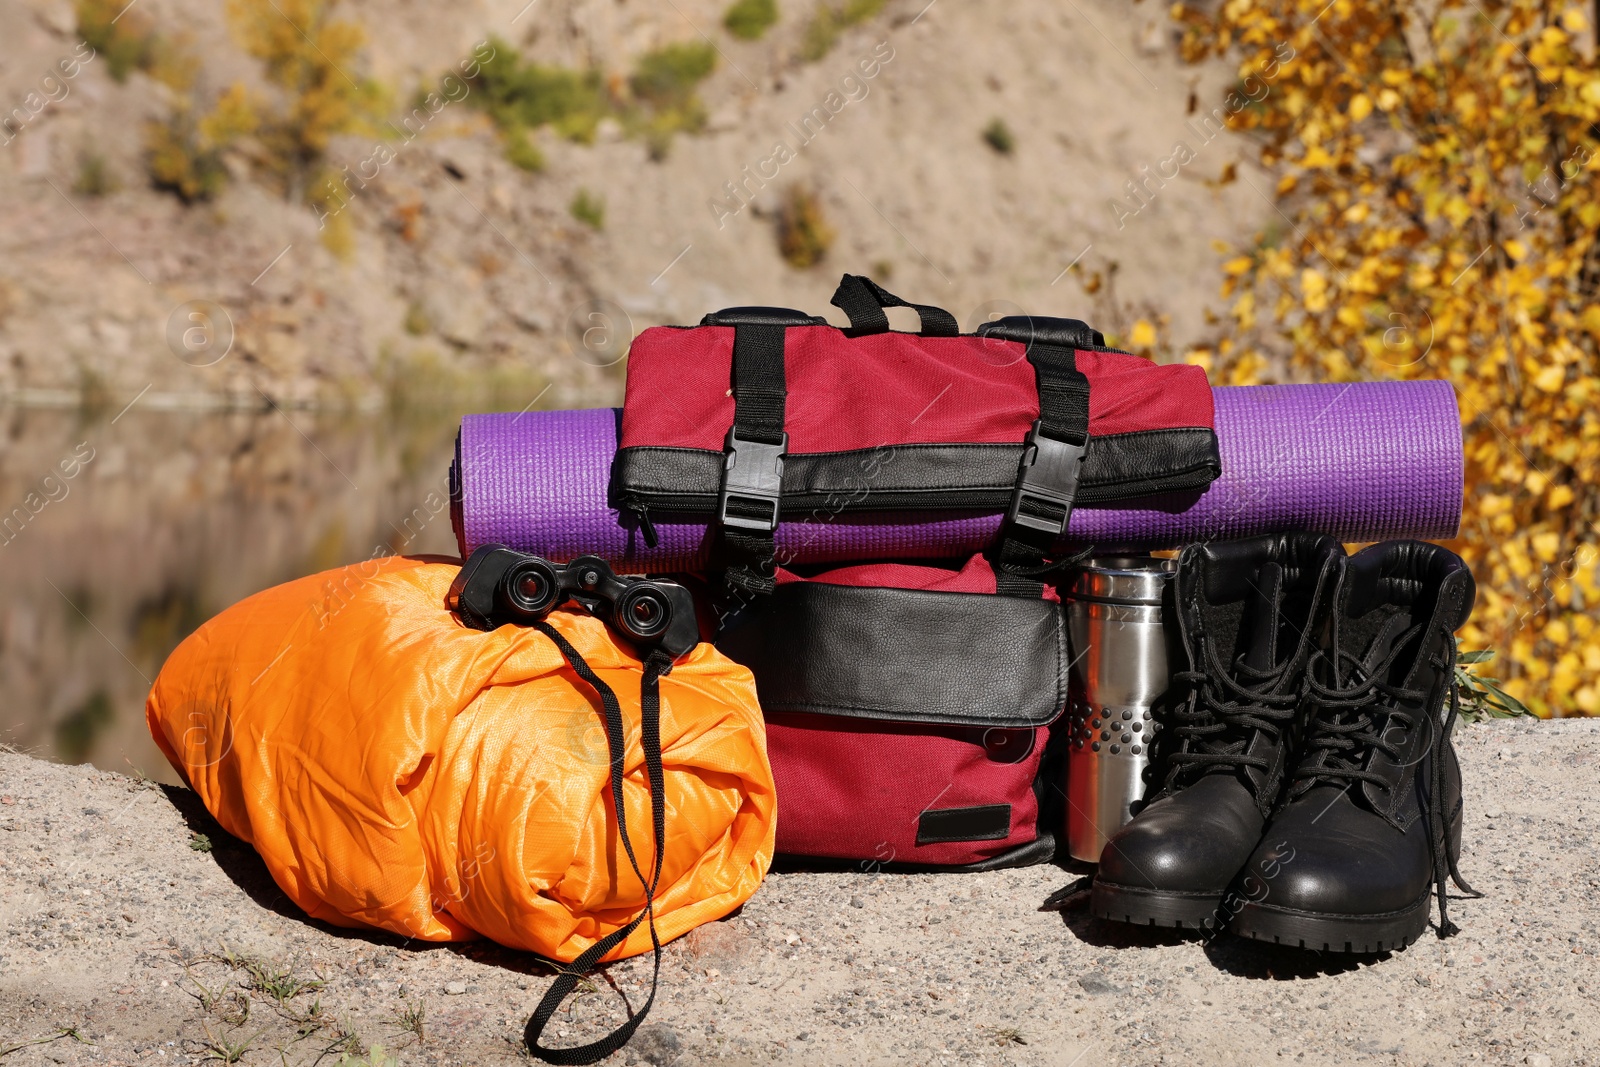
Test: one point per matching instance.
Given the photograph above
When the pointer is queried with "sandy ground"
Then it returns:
(154, 952)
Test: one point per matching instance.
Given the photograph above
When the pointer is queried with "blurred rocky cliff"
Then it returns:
(975, 154)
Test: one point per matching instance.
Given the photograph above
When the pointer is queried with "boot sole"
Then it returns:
(1319, 931)
(1155, 907)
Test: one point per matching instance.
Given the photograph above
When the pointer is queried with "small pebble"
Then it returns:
(857, 902)
(1537, 1059)
(455, 989)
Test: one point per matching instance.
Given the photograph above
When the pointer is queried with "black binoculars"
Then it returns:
(499, 585)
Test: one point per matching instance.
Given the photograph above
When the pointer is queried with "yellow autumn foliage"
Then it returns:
(1437, 205)
(311, 57)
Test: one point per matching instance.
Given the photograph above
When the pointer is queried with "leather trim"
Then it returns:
(903, 655)
(962, 476)
(984, 822)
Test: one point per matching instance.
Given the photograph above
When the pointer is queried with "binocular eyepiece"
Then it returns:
(498, 585)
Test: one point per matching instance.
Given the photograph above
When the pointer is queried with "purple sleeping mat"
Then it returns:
(1363, 461)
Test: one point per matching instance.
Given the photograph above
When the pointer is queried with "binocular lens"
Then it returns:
(531, 587)
(644, 612)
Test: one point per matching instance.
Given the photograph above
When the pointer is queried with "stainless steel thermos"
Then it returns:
(1122, 635)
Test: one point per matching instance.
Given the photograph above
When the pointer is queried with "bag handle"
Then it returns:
(658, 663)
(863, 300)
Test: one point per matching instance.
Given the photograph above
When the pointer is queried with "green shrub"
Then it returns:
(749, 19)
(181, 161)
(589, 209)
(998, 136)
(804, 235)
(522, 96)
(668, 77)
(124, 42)
(664, 81)
(822, 32)
(518, 93)
(183, 155)
(94, 176)
(521, 152)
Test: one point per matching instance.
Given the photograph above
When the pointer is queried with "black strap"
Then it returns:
(1063, 393)
(748, 507)
(863, 300)
(1047, 477)
(759, 391)
(656, 664)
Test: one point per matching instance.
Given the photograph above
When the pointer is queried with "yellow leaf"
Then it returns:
(1560, 496)
(1237, 265)
(1388, 100)
(1551, 379)
(1492, 504)
(1572, 20)
(1143, 335)
(1556, 632)
(1316, 156)
(1516, 250)
(1360, 107)
(1547, 545)
(1314, 287)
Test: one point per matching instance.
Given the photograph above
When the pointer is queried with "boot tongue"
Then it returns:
(1382, 644)
(1260, 623)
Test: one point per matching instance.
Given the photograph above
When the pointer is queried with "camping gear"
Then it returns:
(763, 415)
(908, 713)
(1370, 828)
(1249, 613)
(397, 769)
(1359, 461)
(497, 586)
(1120, 627)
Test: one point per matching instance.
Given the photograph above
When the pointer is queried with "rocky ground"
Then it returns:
(127, 941)
(457, 261)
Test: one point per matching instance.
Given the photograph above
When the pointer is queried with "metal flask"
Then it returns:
(1119, 622)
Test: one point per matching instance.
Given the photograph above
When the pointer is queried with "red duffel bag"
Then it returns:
(908, 712)
(761, 414)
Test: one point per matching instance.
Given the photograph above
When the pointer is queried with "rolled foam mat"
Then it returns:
(1362, 461)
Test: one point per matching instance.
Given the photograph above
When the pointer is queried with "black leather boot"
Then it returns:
(1247, 611)
(1371, 823)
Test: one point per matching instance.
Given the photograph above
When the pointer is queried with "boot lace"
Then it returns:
(1350, 722)
(1222, 716)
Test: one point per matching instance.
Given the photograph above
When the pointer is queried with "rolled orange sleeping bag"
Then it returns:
(396, 769)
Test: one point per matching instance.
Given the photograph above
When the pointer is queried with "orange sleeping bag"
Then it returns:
(396, 769)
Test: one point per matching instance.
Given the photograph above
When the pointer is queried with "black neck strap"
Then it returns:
(656, 664)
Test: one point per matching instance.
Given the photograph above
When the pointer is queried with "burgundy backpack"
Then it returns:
(908, 706)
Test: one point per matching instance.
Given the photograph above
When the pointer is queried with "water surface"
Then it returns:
(118, 538)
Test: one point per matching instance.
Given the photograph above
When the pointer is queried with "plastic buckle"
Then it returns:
(752, 483)
(1047, 483)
